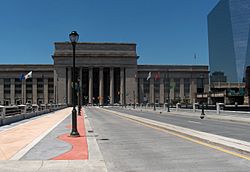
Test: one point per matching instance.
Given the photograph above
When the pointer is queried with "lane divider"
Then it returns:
(202, 138)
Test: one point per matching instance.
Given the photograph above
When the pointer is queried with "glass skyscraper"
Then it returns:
(229, 38)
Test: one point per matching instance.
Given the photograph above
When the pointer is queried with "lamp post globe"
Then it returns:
(73, 36)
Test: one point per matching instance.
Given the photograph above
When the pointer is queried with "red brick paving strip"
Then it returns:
(79, 149)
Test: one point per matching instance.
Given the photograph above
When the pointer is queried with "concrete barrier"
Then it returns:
(194, 106)
(12, 119)
(218, 107)
(178, 105)
(8, 117)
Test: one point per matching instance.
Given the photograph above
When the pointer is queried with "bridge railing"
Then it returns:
(10, 114)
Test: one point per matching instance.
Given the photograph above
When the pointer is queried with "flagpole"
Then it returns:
(22, 90)
(154, 93)
(168, 91)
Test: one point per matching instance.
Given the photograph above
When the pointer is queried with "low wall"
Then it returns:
(15, 118)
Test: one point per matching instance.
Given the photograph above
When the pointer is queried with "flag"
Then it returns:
(157, 76)
(149, 76)
(21, 77)
(29, 75)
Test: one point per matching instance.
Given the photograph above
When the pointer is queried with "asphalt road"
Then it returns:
(129, 146)
(229, 129)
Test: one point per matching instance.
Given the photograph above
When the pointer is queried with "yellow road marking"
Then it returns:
(187, 138)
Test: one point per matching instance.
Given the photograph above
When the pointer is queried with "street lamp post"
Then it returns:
(134, 99)
(202, 105)
(79, 99)
(73, 36)
(154, 94)
(168, 92)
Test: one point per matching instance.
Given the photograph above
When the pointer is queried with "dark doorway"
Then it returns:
(95, 86)
(117, 85)
(106, 85)
(85, 86)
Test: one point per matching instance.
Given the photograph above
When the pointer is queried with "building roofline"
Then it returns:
(26, 65)
(173, 65)
(98, 43)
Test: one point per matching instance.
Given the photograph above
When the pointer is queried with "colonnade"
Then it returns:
(120, 87)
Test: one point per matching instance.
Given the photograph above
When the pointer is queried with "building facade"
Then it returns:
(106, 73)
(229, 38)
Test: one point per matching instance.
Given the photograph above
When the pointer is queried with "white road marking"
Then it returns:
(194, 122)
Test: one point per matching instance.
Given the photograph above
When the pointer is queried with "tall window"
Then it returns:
(166, 89)
(186, 87)
(157, 90)
(177, 88)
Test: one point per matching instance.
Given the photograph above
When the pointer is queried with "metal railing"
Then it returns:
(10, 114)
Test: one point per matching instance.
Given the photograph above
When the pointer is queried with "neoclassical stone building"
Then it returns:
(107, 73)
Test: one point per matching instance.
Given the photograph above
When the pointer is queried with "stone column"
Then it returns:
(12, 91)
(69, 86)
(171, 93)
(46, 91)
(162, 94)
(55, 86)
(34, 90)
(101, 90)
(141, 90)
(80, 91)
(151, 89)
(193, 89)
(1, 91)
(91, 85)
(111, 87)
(136, 90)
(122, 86)
(182, 88)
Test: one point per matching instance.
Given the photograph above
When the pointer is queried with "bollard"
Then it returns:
(141, 106)
(218, 108)
(236, 104)
(177, 106)
(194, 107)
(3, 112)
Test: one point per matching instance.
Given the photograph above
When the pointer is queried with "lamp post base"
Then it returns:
(202, 112)
(74, 134)
(202, 115)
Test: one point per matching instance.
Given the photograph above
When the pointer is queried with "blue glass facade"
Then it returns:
(228, 36)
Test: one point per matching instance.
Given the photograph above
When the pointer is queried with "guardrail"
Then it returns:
(10, 114)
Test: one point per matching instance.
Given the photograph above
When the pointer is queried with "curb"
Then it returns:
(95, 155)
(208, 115)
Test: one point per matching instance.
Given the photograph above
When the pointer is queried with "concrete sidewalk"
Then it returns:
(33, 145)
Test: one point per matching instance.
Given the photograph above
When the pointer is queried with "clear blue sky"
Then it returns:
(165, 31)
